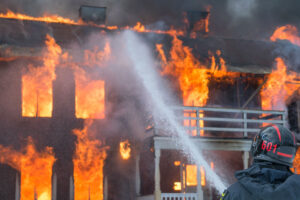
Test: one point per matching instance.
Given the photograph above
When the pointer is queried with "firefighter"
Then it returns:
(269, 177)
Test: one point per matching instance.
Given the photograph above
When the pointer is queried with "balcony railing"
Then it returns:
(179, 196)
(200, 120)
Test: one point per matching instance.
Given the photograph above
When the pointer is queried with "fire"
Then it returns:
(90, 94)
(37, 83)
(279, 86)
(47, 18)
(59, 19)
(297, 162)
(88, 165)
(35, 168)
(218, 69)
(212, 165)
(139, 27)
(125, 149)
(90, 97)
(193, 76)
(177, 186)
(191, 175)
(203, 180)
(287, 32)
(278, 89)
(177, 163)
(202, 25)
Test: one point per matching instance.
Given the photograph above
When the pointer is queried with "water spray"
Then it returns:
(143, 64)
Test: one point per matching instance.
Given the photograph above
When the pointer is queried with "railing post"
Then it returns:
(54, 187)
(137, 175)
(71, 188)
(284, 117)
(17, 193)
(246, 159)
(198, 122)
(157, 191)
(105, 189)
(245, 124)
(199, 186)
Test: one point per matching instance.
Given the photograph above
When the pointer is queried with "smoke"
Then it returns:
(241, 8)
(290, 53)
(250, 19)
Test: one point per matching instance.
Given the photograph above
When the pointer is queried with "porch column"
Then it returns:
(246, 159)
(71, 188)
(137, 175)
(17, 193)
(199, 187)
(105, 189)
(54, 186)
(157, 191)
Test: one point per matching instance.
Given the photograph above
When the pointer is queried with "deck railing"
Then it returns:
(200, 120)
(179, 196)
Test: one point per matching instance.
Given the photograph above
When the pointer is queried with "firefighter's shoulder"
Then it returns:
(232, 193)
(224, 195)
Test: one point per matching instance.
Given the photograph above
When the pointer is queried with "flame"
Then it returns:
(47, 18)
(59, 19)
(277, 90)
(191, 175)
(193, 76)
(125, 149)
(202, 25)
(90, 94)
(88, 165)
(177, 186)
(203, 180)
(90, 97)
(97, 57)
(287, 32)
(35, 168)
(37, 83)
(139, 27)
(177, 163)
(297, 162)
(212, 165)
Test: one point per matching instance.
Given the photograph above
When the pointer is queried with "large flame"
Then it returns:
(193, 76)
(279, 86)
(35, 168)
(37, 83)
(277, 89)
(90, 94)
(287, 32)
(59, 19)
(90, 97)
(88, 165)
(47, 18)
(125, 149)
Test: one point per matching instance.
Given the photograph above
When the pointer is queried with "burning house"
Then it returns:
(78, 123)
